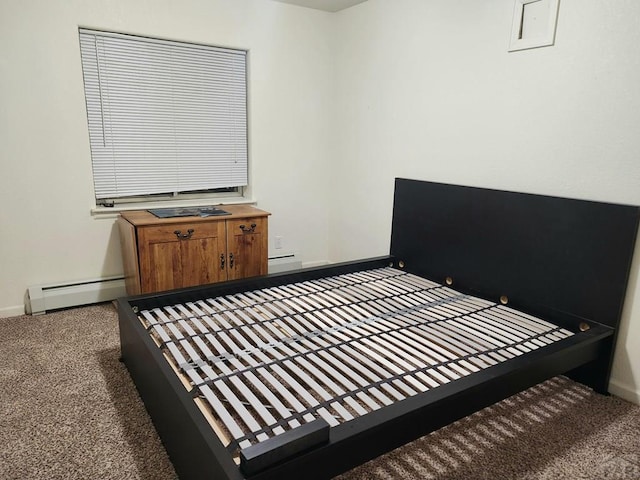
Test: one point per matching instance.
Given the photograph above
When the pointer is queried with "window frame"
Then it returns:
(234, 193)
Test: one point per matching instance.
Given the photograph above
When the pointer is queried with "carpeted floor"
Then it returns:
(70, 410)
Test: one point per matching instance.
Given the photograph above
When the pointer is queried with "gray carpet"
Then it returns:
(70, 410)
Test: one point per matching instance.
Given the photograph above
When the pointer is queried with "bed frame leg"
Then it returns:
(596, 374)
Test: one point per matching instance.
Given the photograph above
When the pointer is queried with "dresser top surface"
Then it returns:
(144, 217)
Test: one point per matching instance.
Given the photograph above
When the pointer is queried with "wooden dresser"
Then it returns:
(166, 253)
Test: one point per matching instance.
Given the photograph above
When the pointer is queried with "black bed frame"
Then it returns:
(564, 260)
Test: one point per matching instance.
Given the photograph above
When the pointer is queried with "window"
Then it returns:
(164, 117)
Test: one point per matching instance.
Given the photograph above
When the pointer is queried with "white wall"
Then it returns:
(427, 90)
(47, 233)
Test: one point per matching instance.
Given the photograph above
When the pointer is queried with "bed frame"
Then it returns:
(461, 258)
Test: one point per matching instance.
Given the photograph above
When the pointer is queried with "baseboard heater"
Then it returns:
(41, 298)
(284, 263)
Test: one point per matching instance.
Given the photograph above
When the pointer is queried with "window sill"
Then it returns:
(113, 212)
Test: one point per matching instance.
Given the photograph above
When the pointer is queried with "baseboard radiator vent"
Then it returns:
(41, 298)
(284, 263)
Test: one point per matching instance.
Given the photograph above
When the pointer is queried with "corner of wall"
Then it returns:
(626, 392)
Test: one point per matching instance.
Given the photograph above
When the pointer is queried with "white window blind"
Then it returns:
(163, 116)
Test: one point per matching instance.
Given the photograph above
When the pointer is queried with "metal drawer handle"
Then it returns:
(245, 229)
(184, 236)
(231, 260)
(222, 261)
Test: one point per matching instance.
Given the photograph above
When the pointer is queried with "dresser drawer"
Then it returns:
(181, 231)
(245, 226)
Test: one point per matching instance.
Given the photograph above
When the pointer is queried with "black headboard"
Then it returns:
(546, 254)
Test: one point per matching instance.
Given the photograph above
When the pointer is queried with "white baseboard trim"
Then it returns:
(284, 263)
(14, 311)
(318, 263)
(623, 391)
(41, 298)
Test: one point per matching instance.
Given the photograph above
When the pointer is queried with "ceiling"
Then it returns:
(326, 5)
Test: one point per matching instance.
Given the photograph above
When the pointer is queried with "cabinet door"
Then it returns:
(164, 267)
(181, 255)
(203, 259)
(247, 247)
